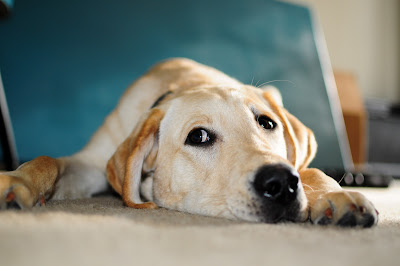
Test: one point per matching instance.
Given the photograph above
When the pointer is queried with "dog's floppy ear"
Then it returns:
(303, 140)
(301, 145)
(124, 169)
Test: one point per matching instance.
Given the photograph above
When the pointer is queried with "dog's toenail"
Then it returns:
(348, 220)
(10, 196)
(42, 201)
(328, 213)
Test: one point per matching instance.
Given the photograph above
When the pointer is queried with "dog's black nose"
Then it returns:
(276, 182)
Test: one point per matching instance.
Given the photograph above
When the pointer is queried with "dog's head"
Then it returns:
(218, 151)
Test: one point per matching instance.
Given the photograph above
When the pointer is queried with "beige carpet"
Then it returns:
(101, 231)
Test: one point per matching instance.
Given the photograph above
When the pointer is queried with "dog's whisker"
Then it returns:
(344, 175)
(277, 80)
(313, 191)
(308, 186)
(223, 211)
(252, 81)
(215, 199)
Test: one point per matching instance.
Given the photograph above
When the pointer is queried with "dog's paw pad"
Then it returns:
(13, 205)
(368, 220)
(348, 220)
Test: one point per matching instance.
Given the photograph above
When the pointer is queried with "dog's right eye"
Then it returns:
(266, 122)
(200, 137)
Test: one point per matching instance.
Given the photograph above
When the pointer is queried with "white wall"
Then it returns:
(363, 36)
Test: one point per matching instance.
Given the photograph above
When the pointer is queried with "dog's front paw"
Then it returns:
(344, 208)
(15, 193)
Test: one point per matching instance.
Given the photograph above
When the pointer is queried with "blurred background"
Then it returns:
(64, 66)
(363, 39)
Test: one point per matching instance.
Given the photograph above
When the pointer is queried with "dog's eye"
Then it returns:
(199, 136)
(266, 122)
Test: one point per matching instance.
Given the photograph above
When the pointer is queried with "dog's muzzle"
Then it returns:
(277, 186)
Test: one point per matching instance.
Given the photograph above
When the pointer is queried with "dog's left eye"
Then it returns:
(266, 122)
(199, 136)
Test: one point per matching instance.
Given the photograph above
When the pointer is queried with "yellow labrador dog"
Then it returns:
(187, 137)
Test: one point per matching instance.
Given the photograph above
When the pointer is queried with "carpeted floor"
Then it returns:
(101, 231)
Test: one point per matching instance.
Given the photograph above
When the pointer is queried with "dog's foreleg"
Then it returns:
(81, 178)
(45, 177)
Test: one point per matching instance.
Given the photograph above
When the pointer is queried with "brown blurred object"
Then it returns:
(354, 113)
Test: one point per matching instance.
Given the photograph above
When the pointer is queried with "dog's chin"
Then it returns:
(292, 213)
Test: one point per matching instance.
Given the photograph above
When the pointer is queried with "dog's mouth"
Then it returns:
(268, 213)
